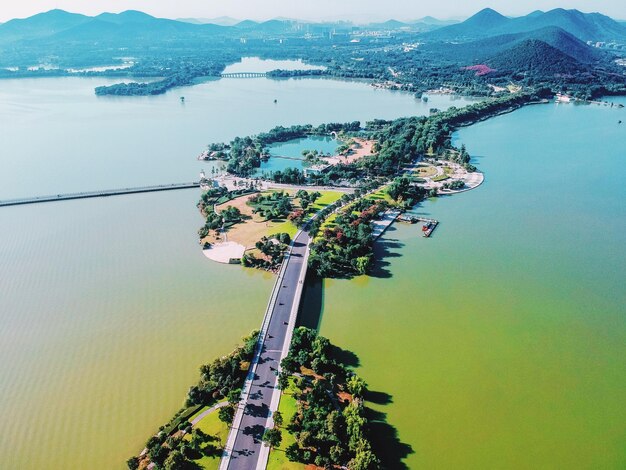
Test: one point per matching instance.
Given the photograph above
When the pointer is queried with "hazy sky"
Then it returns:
(358, 10)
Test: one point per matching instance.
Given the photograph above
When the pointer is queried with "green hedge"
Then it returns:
(184, 416)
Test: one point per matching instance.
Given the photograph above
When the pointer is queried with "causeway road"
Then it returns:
(244, 449)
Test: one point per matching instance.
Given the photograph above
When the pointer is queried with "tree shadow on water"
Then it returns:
(344, 357)
(385, 440)
(380, 398)
(383, 250)
(312, 304)
(388, 446)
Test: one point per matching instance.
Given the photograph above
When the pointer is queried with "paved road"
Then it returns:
(247, 445)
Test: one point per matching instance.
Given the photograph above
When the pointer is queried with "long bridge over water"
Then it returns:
(244, 75)
(103, 193)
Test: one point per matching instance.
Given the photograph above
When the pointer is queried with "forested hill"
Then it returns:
(536, 58)
(487, 22)
(483, 49)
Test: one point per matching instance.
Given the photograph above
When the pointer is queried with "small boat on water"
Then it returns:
(428, 227)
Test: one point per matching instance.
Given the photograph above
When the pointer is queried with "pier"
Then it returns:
(429, 224)
(244, 75)
(379, 226)
(103, 193)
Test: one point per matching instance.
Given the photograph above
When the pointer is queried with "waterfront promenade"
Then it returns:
(244, 449)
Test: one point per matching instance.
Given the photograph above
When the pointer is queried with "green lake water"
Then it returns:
(501, 341)
(107, 306)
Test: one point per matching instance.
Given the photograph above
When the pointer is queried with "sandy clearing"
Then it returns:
(225, 251)
(362, 148)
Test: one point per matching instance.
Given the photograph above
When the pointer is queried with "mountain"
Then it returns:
(488, 22)
(388, 25)
(585, 26)
(429, 20)
(266, 27)
(536, 58)
(551, 35)
(221, 21)
(40, 25)
(58, 27)
(126, 17)
(483, 51)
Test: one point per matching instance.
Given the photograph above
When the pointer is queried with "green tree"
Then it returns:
(234, 396)
(278, 418)
(133, 463)
(293, 453)
(356, 386)
(283, 381)
(226, 414)
(364, 460)
(272, 437)
(176, 461)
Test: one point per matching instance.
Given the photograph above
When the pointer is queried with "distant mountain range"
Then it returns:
(485, 38)
(488, 23)
(221, 21)
(64, 26)
(59, 25)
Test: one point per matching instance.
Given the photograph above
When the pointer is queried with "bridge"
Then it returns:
(103, 193)
(244, 449)
(244, 75)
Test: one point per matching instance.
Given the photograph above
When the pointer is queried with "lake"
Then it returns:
(500, 342)
(107, 306)
(289, 154)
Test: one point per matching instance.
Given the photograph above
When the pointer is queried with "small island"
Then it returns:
(345, 200)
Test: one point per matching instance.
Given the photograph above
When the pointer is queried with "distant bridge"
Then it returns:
(244, 75)
(103, 193)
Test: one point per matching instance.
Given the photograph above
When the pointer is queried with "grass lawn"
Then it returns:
(380, 195)
(326, 199)
(426, 171)
(328, 223)
(282, 226)
(213, 426)
(253, 227)
(441, 178)
(197, 413)
(287, 407)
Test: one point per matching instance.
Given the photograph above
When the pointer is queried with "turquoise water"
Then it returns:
(57, 136)
(501, 341)
(293, 150)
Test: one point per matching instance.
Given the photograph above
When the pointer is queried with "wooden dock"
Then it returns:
(379, 226)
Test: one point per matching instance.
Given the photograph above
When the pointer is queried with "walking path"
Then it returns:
(208, 411)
